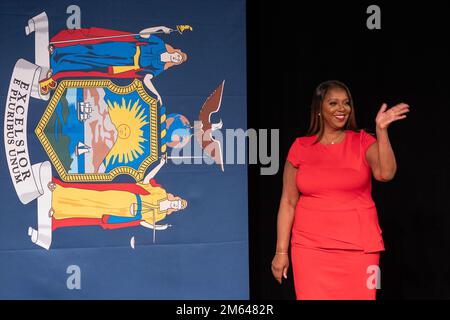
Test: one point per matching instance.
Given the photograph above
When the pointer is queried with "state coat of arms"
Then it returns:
(104, 118)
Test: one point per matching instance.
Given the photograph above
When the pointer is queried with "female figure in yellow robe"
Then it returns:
(113, 205)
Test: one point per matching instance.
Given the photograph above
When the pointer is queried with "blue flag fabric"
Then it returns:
(102, 101)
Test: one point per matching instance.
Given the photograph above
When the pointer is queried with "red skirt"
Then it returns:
(334, 274)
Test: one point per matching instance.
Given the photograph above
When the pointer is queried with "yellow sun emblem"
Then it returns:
(129, 121)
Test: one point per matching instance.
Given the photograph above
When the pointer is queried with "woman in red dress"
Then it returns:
(326, 210)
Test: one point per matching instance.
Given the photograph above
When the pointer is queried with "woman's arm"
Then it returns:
(286, 212)
(145, 33)
(155, 170)
(145, 224)
(380, 155)
(148, 83)
(381, 158)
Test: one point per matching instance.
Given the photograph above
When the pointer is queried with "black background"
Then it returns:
(290, 51)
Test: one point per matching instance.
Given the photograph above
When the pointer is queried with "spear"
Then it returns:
(180, 29)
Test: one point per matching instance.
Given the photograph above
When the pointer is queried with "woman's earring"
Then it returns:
(318, 114)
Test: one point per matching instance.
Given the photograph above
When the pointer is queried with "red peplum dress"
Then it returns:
(336, 238)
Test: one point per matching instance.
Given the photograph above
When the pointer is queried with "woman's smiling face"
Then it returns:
(176, 57)
(336, 108)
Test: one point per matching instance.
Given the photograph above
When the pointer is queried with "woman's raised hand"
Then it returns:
(385, 117)
(159, 99)
(166, 30)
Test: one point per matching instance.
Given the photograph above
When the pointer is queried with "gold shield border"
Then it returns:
(138, 174)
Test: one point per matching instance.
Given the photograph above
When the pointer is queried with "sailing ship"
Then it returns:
(84, 110)
(81, 148)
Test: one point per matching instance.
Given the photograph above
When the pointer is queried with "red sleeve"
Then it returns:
(294, 153)
(366, 140)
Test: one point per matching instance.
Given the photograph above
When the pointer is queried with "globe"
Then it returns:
(178, 130)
